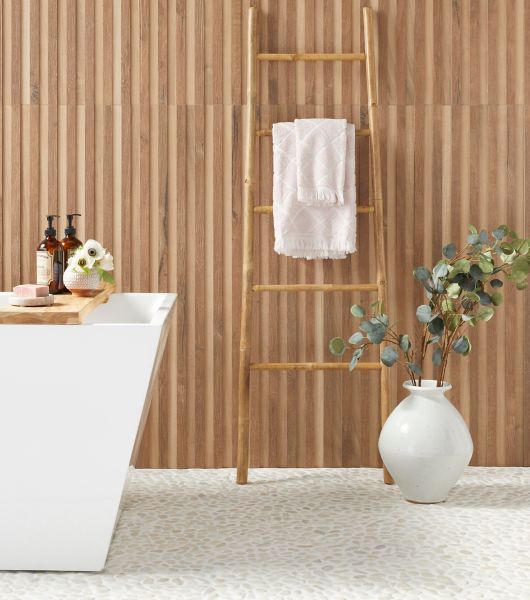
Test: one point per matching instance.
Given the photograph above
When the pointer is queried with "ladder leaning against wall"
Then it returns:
(375, 208)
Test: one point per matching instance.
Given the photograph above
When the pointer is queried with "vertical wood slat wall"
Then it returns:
(130, 112)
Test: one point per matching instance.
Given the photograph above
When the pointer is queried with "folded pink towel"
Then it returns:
(320, 161)
(312, 232)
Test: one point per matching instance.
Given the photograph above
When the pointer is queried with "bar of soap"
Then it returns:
(31, 290)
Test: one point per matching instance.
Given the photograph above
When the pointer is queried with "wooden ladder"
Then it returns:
(249, 210)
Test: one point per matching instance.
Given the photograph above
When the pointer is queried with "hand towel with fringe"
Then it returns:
(321, 158)
(312, 232)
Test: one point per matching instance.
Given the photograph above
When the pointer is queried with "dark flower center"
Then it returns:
(82, 262)
(92, 252)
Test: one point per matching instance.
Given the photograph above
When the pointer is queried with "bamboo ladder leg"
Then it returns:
(373, 115)
(248, 261)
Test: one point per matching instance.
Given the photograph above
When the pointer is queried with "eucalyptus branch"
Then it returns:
(463, 288)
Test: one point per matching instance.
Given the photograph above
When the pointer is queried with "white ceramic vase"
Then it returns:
(425, 443)
(81, 284)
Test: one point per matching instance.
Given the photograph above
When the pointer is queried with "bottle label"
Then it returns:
(44, 267)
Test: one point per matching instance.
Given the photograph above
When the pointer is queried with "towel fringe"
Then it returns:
(320, 196)
(315, 249)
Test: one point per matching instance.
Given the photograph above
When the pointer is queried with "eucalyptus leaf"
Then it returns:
(472, 229)
(436, 326)
(366, 326)
(421, 274)
(439, 287)
(500, 232)
(424, 313)
(485, 313)
(389, 356)
(441, 269)
(485, 265)
(353, 363)
(357, 311)
(433, 340)
(356, 355)
(356, 338)
(449, 251)
(461, 266)
(496, 283)
(337, 346)
(377, 334)
(416, 369)
(520, 268)
(521, 246)
(468, 284)
(453, 290)
(453, 321)
(483, 236)
(473, 239)
(437, 357)
(404, 343)
(497, 298)
(461, 345)
(476, 272)
(472, 296)
(485, 298)
(446, 305)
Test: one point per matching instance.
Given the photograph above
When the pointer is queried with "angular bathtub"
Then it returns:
(73, 400)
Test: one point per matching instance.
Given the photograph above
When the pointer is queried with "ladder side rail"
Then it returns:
(248, 260)
(375, 155)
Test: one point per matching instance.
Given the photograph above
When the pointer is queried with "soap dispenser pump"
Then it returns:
(50, 259)
(70, 242)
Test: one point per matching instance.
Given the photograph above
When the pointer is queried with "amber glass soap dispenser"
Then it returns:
(50, 260)
(70, 242)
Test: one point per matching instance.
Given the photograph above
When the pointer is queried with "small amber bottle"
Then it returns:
(50, 260)
(70, 242)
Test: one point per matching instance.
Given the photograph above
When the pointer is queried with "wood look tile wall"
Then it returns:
(130, 112)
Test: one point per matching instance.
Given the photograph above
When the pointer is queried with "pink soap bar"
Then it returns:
(31, 290)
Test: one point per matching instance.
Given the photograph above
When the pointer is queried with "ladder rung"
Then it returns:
(268, 132)
(312, 57)
(316, 287)
(312, 366)
(267, 209)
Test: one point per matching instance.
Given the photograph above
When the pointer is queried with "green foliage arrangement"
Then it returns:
(462, 290)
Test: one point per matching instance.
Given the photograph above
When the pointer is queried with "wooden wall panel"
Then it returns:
(130, 112)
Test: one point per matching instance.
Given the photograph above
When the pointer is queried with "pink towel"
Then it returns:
(303, 231)
(320, 161)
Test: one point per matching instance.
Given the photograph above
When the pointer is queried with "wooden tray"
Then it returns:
(66, 310)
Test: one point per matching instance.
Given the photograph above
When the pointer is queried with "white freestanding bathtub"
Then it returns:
(72, 401)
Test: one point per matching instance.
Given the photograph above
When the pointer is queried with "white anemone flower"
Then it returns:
(81, 261)
(107, 262)
(94, 249)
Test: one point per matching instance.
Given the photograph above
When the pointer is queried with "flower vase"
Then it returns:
(82, 284)
(425, 443)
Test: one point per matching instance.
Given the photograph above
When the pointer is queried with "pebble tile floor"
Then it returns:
(305, 534)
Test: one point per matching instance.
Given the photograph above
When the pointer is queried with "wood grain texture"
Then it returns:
(131, 112)
(66, 310)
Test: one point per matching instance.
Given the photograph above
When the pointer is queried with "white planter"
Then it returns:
(425, 443)
(81, 284)
(67, 435)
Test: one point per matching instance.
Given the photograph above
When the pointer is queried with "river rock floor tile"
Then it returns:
(316, 534)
